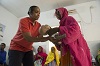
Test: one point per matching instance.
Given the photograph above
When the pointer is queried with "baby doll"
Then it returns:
(43, 29)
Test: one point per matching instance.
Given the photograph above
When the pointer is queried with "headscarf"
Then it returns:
(63, 12)
(50, 57)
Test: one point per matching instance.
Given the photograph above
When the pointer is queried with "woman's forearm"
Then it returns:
(37, 39)
(29, 38)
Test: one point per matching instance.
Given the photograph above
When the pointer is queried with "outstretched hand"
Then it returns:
(55, 41)
(52, 31)
(58, 37)
(39, 56)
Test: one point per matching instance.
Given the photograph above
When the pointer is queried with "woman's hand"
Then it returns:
(59, 42)
(55, 41)
(39, 56)
(52, 31)
(58, 37)
(43, 39)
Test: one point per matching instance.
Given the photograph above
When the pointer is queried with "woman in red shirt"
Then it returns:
(20, 50)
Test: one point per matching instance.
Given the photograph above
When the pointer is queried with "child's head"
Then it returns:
(34, 12)
(44, 29)
(40, 49)
(2, 46)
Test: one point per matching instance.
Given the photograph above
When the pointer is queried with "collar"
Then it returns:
(31, 21)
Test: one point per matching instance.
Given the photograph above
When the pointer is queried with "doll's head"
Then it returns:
(44, 29)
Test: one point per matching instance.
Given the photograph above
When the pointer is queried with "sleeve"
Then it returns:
(24, 25)
(71, 29)
(48, 59)
(36, 58)
(45, 56)
(58, 47)
(57, 58)
(4, 59)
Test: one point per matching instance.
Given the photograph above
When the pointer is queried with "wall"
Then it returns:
(11, 23)
(98, 3)
(94, 47)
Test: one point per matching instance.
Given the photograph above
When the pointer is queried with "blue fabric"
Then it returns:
(2, 57)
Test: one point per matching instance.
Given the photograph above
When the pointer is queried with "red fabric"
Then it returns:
(18, 42)
(42, 54)
(74, 40)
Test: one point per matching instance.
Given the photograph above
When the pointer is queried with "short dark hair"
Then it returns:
(31, 9)
(4, 44)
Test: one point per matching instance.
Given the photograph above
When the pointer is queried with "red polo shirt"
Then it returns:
(18, 42)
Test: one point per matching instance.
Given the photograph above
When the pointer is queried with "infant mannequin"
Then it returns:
(43, 29)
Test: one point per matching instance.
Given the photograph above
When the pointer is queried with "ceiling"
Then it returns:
(20, 7)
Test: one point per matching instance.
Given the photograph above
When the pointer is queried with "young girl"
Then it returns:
(52, 58)
(40, 57)
(28, 32)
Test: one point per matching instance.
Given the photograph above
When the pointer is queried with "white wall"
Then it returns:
(11, 23)
(98, 4)
(94, 47)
